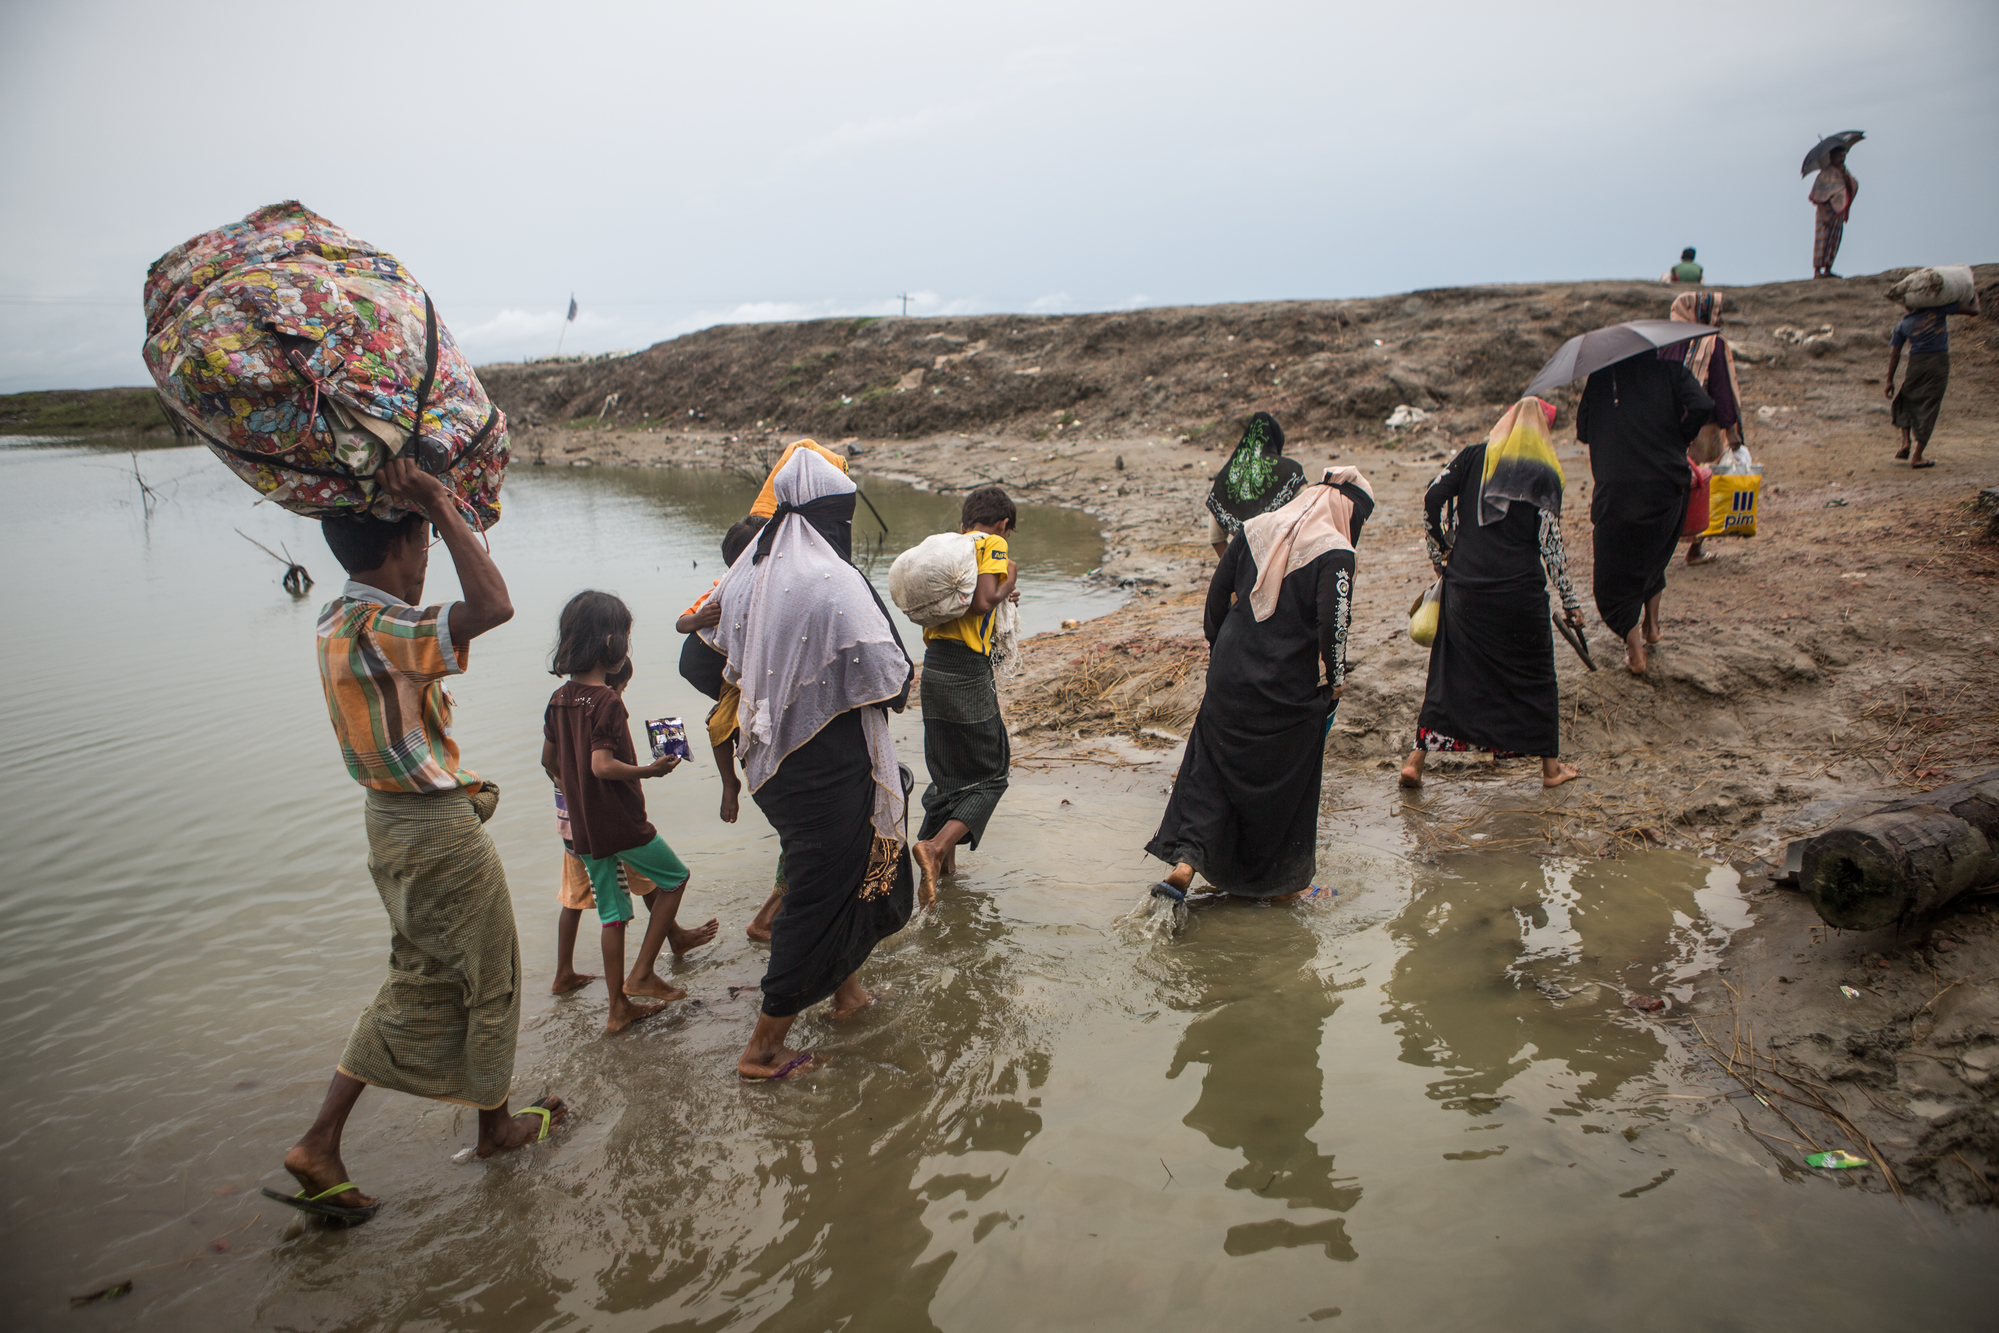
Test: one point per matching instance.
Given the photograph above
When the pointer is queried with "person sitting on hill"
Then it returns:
(1686, 271)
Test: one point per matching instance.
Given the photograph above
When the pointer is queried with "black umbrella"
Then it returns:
(1821, 157)
(1598, 348)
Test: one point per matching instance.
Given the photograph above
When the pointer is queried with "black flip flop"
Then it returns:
(318, 1206)
(1923, 462)
(1172, 895)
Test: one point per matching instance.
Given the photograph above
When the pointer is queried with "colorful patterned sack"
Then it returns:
(306, 358)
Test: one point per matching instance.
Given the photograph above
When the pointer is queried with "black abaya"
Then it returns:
(1492, 667)
(1245, 807)
(1637, 417)
(821, 802)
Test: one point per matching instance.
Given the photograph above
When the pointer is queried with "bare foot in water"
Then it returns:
(1554, 772)
(623, 1014)
(1412, 772)
(759, 927)
(519, 1129)
(569, 979)
(929, 866)
(850, 999)
(653, 986)
(316, 1171)
(681, 941)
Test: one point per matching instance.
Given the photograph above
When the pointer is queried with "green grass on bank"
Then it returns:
(81, 412)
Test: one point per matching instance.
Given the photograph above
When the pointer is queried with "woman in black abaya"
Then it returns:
(1494, 524)
(1257, 479)
(818, 662)
(1244, 812)
(1637, 417)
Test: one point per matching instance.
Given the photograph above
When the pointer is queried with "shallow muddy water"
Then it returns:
(1420, 1104)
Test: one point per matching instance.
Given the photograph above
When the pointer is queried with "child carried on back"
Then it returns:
(587, 750)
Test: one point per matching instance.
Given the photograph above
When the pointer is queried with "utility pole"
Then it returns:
(905, 305)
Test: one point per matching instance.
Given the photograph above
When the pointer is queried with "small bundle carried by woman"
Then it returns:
(1927, 288)
(305, 358)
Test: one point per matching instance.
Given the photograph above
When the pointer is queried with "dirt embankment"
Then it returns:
(1849, 651)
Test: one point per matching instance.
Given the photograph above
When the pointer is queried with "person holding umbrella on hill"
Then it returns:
(1832, 193)
(1637, 417)
(1639, 411)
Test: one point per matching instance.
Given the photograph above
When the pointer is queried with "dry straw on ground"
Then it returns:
(1113, 689)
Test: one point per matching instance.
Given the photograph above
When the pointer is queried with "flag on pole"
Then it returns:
(572, 307)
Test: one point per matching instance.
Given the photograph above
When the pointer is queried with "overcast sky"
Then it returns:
(678, 165)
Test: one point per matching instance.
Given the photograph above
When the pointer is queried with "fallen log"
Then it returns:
(1906, 858)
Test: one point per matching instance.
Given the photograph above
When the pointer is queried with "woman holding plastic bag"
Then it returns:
(1244, 812)
(1494, 528)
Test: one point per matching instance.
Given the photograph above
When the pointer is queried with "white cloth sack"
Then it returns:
(933, 581)
(1947, 284)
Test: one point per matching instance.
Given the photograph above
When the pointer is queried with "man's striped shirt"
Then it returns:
(382, 663)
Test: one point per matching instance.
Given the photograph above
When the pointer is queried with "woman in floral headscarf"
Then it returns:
(1257, 479)
(1494, 527)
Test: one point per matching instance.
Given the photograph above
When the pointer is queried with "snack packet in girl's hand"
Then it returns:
(668, 736)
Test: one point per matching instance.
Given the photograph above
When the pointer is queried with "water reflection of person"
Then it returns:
(1263, 1009)
(1465, 995)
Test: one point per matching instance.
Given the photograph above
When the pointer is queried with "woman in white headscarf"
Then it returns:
(1244, 812)
(819, 663)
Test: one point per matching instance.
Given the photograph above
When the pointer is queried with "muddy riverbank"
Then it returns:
(1845, 653)
(1420, 1096)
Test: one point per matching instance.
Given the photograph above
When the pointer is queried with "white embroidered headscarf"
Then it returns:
(806, 640)
(1286, 540)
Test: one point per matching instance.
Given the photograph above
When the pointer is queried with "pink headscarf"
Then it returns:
(1286, 540)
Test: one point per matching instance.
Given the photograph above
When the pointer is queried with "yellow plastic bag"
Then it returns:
(1423, 615)
(1732, 498)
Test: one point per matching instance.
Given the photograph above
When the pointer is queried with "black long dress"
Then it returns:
(1245, 806)
(1492, 667)
(1638, 416)
(821, 802)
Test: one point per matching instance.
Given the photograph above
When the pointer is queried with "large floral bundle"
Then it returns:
(305, 358)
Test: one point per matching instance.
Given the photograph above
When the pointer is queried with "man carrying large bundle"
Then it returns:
(316, 367)
(444, 1022)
